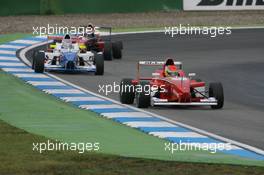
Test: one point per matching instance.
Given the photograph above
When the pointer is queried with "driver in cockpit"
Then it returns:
(66, 42)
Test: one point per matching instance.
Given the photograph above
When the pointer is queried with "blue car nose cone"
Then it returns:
(69, 56)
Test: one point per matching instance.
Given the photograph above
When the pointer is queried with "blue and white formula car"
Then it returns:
(67, 56)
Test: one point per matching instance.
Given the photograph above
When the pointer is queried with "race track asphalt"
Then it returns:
(236, 60)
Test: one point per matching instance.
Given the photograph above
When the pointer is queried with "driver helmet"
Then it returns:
(91, 30)
(171, 71)
(67, 42)
(91, 26)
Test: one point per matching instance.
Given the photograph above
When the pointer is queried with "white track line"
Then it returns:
(101, 106)
(125, 114)
(178, 134)
(11, 46)
(149, 124)
(9, 58)
(31, 75)
(11, 64)
(254, 149)
(7, 52)
(21, 41)
(68, 99)
(46, 83)
(63, 91)
(17, 70)
(163, 30)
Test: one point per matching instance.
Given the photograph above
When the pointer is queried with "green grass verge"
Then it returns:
(32, 110)
(35, 112)
(10, 37)
(17, 157)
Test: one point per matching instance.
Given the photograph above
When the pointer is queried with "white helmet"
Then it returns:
(67, 42)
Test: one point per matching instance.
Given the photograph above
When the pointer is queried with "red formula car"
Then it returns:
(170, 89)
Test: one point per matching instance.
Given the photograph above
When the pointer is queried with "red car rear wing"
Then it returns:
(100, 30)
(153, 63)
(97, 30)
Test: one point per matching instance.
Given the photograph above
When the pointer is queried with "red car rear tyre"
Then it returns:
(143, 97)
(117, 49)
(107, 51)
(127, 91)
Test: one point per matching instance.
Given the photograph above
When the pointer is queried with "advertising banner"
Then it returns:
(223, 5)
